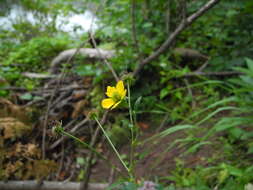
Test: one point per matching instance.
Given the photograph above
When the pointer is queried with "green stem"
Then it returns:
(129, 103)
(89, 147)
(81, 142)
(132, 125)
(113, 147)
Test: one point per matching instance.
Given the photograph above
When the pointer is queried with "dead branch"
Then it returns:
(48, 185)
(38, 75)
(184, 23)
(202, 67)
(86, 52)
(190, 54)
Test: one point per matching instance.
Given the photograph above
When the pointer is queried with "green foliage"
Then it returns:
(223, 176)
(37, 53)
(32, 56)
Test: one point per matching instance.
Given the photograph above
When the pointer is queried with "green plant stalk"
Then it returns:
(132, 125)
(82, 143)
(89, 147)
(113, 147)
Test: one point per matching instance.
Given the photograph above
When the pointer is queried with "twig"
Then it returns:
(103, 58)
(190, 92)
(111, 176)
(188, 21)
(203, 66)
(72, 173)
(163, 122)
(223, 73)
(38, 75)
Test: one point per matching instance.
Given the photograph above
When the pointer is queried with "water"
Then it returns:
(74, 24)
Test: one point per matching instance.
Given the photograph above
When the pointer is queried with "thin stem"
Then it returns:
(129, 103)
(113, 147)
(89, 147)
(132, 125)
(84, 144)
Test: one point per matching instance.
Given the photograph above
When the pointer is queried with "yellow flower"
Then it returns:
(115, 94)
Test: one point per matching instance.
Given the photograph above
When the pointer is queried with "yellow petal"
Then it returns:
(107, 103)
(115, 105)
(123, 94)
(120, 86)
(120, 89)
(110, 91)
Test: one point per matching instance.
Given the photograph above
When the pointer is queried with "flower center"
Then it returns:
(116, 97)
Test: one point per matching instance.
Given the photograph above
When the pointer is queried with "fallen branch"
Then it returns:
(184, 23)
(39, 75)
(86, 52)
(48, 185)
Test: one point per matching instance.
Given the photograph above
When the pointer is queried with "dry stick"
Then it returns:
(184, 23)
(103, 58)
(111, 176)
(190, 92)
(166, 117)
(202, 67)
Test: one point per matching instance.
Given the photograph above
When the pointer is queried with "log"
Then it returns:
(38, 75)
(48, 185)
(190, 54)
(89, 53)
(54, 185)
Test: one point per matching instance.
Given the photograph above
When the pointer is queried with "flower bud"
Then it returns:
(128, 77)
(92, 114)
